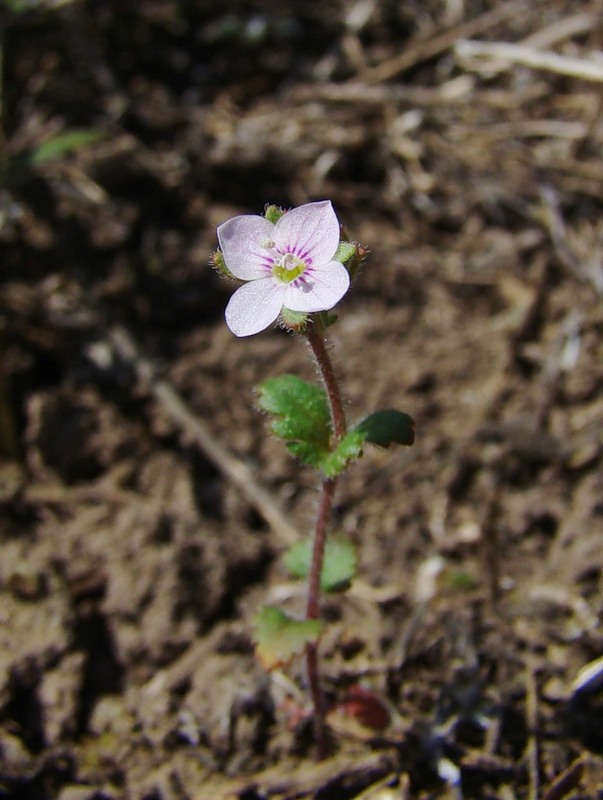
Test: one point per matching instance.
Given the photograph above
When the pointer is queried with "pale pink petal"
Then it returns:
(255, 306)
(318, 290)
(310, 231)
(241, 242)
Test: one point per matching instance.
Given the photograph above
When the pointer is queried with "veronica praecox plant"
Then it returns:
(296, 266)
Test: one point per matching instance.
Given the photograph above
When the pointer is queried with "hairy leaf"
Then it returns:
(300, 409)
(348, 450)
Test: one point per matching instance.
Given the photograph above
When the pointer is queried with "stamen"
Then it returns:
(288, 267)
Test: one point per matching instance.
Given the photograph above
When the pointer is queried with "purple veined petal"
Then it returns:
(310, 231)
(323, 289)
(254, 306)
(240, 240)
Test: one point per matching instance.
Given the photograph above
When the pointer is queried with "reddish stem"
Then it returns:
(325, 504)
(316, 340)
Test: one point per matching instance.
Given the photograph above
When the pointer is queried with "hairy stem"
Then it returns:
(317, 342)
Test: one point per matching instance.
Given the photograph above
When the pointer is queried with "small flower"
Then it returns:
(288, 264)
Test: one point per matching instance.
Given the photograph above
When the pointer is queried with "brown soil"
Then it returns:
(132, 565)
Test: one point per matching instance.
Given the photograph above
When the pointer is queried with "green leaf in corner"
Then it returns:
(388, 427)
(339, 567)
(61, 144)
(279, 637)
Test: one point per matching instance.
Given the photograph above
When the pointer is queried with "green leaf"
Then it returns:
(461, 579)
(386, 427)
(326, 319)
(348, 450)
(279, 637)
(307, 453)
(339, 566)
(300, 409)
(61, 144)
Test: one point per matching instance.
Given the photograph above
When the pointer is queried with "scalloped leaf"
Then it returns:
(279, 637)
(388, 427)
(340, 564)
(300, 410)
(307, 453)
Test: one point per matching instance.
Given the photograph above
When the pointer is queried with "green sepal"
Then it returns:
(293, 321)
(279, 637)
(347, 451)
(356, 261)
(339, 566)
(388, 427)
(273, 214)
(345, 251)
(301, 415)
(218, 263)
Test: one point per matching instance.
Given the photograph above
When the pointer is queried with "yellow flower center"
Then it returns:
(288, 268)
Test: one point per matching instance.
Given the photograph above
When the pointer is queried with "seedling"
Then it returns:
(294, 267)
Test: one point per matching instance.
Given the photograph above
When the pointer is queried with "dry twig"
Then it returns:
(423, 49)
(183, 416)
(566, 782)
(530, 57)
(532, 719)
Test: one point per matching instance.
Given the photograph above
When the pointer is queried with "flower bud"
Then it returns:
(273, 214)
